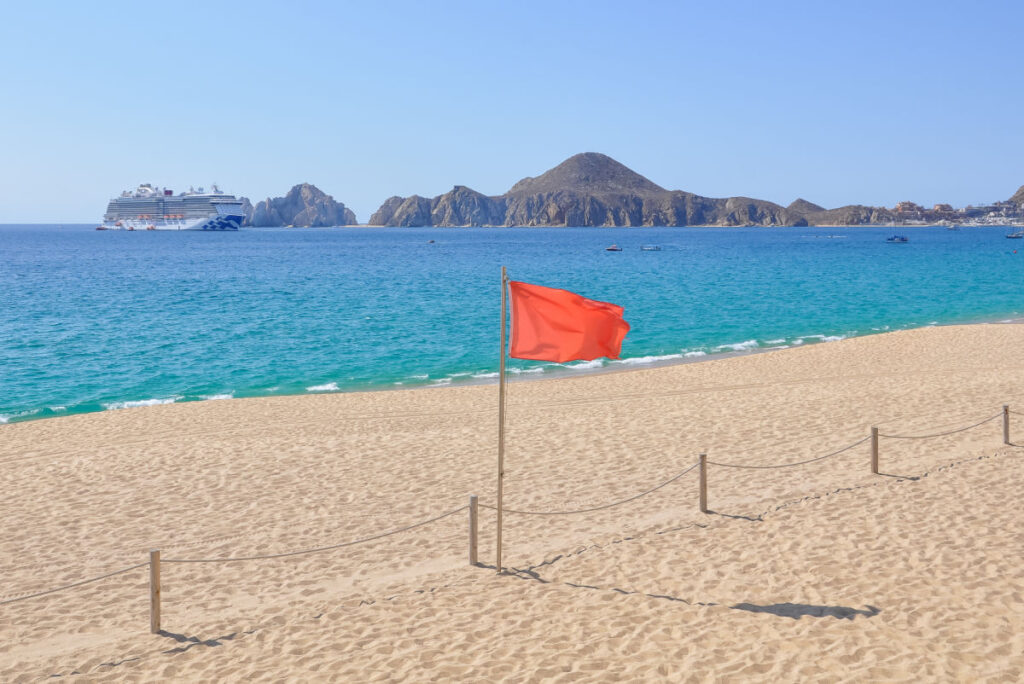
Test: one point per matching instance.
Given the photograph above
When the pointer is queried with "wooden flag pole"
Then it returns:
(501, 414)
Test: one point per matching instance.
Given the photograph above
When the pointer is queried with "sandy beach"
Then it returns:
(822, 572)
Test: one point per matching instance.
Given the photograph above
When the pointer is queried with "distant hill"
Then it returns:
(850, 215)
(590, 172)
(304, 205)
(588, 189)
(802, 206)
(1018, 197)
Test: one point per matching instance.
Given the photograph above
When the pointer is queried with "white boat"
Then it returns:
(152, 208)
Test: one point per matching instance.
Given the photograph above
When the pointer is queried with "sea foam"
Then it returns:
(739, 346)
(117, 405)
(327, 387)
(643, 360)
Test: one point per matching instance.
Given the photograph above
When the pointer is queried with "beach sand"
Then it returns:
(820, 572)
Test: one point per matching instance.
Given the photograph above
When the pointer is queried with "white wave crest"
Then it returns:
(482, 376)
(641, 360)
(779, 341)
(216, 397)
(833, 338)
(117, 405)
(739, 346)
(18, 414)
(694, 354)
(585, 365)
(327, 387)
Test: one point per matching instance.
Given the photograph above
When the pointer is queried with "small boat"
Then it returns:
(897, 239)
(650, 248)
(613, 248)
(1016, 236)
(953, 226)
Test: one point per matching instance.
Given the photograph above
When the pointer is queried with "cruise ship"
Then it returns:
(152, 208)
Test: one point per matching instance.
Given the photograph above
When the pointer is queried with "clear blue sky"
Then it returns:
(853, 102)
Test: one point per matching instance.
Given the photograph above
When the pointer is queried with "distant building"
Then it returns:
(908, 208)
(943, 208)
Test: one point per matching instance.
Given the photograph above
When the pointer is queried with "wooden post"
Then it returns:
(703, 483)
(472, 529)
(154, 591)
(874, 450)
(1006, 423)
(501, 417)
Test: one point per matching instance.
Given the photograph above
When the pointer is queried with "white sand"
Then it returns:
(820, 572)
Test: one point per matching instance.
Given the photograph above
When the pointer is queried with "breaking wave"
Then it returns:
(326, 387)
(117, 405)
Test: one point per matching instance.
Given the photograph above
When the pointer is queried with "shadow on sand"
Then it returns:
(799, 610)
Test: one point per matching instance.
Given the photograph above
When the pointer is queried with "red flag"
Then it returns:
(549, 324)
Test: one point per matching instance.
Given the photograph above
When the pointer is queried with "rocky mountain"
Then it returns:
(587, 189)
(304, 205)
(1018, 197)
(802, 206)
(850, 215)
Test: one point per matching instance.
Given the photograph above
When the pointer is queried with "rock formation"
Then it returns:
(585, 190)
(304, 205)
(803, 207)
(850, 215)
(1018, 197)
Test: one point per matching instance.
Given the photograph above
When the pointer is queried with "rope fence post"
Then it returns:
(472, 529)
(1006, 423)
(874, 450)
(154, 591)
(703, 483)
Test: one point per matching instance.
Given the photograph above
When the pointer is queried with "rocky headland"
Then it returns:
(587, 189)
(592, 189)
(304, 205)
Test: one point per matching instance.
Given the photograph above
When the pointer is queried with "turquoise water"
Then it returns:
(93, 321)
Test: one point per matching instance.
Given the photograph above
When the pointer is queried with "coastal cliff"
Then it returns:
(304, 205)
(587, 189)
(593, 189)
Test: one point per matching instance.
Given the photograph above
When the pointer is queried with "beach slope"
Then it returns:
(820, 571)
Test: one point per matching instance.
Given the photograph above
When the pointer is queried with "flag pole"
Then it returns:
(501, 413)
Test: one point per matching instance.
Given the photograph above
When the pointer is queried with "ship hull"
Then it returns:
(221, 223)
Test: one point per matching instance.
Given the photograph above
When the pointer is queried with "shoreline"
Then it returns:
(887, 564)
(467, 379)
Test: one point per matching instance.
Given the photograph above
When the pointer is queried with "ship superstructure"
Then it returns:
(153, 208)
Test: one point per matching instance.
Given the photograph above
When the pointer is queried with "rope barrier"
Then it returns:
(596, 508)
(942, 434)
(319, 548)
(76, 584)
(789, 465)
(15, 599)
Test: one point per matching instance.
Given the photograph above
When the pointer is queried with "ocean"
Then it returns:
(93, 321)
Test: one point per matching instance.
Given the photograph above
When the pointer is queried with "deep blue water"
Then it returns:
(96, 320)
